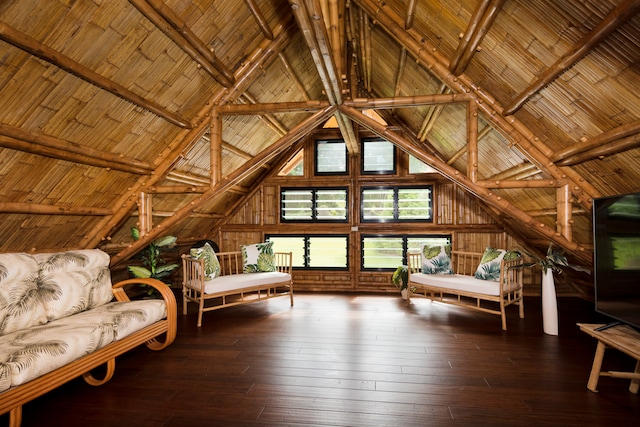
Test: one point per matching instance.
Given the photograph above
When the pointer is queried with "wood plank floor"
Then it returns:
(355, 360)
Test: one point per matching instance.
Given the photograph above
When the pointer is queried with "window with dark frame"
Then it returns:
(314, 252)
(387, 252)
(396, 204)
(378, 157)
(331, 157)
(313, 204)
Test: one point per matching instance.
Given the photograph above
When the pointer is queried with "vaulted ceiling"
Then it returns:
(533, 106)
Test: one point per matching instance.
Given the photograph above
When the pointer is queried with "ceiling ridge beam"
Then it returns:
(510, 127)
(37, 49)
(612, 22)
(173, 27)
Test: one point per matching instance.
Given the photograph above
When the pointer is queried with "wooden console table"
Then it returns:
(620, 337)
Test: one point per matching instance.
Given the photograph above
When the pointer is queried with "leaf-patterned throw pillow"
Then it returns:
(436, 259)
(258, 258)
(211, 263)
(489, 268)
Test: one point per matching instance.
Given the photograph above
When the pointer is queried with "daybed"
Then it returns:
(491, 294)
(236, 281)
(58, 320)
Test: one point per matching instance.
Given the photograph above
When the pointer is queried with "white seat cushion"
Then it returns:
(232, 282)
(458, 282)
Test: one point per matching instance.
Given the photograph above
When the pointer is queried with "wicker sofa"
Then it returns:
(464, 288)
(61, 317)
(233, 285)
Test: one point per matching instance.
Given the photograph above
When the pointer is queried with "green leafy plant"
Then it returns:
(555, 260)
(400, 277)
(151, 256)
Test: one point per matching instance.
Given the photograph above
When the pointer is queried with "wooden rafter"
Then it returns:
(512, 128)
(411, 10)
(174, 28)
(41, 209)
(35, 48)
(610, 149)
(488, 196)
(260, 19)
(614, 19)
(228, 182)
(293, 76)
(270, 120)
(249, 71)
(432, 116)
(482, 19)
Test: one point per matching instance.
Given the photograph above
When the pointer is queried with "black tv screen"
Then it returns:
(616, 241)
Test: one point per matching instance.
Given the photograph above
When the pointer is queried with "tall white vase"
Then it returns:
(549, 304)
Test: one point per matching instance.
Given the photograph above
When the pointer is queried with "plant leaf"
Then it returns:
(139, 272)
(135, 233)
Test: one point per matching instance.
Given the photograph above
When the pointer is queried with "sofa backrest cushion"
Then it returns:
(39, 288)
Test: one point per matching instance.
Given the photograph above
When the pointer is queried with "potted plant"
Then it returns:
(400, 279)
(554, 261)
(153, 265)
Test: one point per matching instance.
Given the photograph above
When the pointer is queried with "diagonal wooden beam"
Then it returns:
(614, 19)
(174, 28)
(485, 194)
(483, 17)
(513, 129)
(223, 185)
(260, 19)
(35, 48)
(411, 10)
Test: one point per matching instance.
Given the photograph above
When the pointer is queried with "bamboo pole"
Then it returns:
(260, 19)
(408, 101)
(40, 209)
(189, 180)
(269, 119)
(411, 10)
(564, 206)
(613, 20)
(228, 182)
(472, 141)
(465, 38)
(35, 48)
(293, 76)
(463, 181)
(271, 107)
(518, 183)
(215, 145)
(174, 28)
(175, 189)
(610, 149)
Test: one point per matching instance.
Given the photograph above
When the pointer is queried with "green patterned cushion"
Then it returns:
(258, 257)
(211, 263)
(489, 268)
(436, 259)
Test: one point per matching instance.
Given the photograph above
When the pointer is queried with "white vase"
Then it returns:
(549, 304)
(404, 293)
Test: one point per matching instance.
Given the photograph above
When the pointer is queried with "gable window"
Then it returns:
(331, 157)
(313, 204)
(388, 252)
(314, 251)
(378, 157)
(393, 204)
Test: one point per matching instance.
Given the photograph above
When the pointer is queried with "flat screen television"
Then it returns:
(616, 242)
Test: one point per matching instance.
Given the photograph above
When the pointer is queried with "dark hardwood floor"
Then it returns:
(355, 360)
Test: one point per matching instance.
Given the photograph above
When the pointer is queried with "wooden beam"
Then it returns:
(407, 101)
(564, 206)
(260, 19)
(173, 27)
(479, 28)
(613, 20)
(521, 183)
(465, 182)
(293, 76)
(215, 148)
(270, 120)
(465, 38)
(49, 146)
(610, 149)
(35, 48)
(176, 189)
(40, 209)
(411, 10)
(516, 172)
(513, 129)
(275, 107)
(472, 141)
(233, 179)
(604, 138)
(432, 116)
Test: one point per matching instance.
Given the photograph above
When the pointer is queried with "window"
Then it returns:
(388, 252)
(314, 251)
(396, 204)
(313, 204)
(418, 166)
(378, 157)
(331, 157)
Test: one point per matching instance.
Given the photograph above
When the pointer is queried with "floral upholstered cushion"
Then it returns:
(36, 289)
(30, 353)
(489, 268)
(211, 263)
(258, 258)
(436, 259)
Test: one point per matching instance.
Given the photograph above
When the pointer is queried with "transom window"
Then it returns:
(382, 204)
(331, 157)
(314, 251)
(313, 204)
(378, 157)
(388, 252)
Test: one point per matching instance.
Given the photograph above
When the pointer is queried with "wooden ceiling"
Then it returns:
(534, 107)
